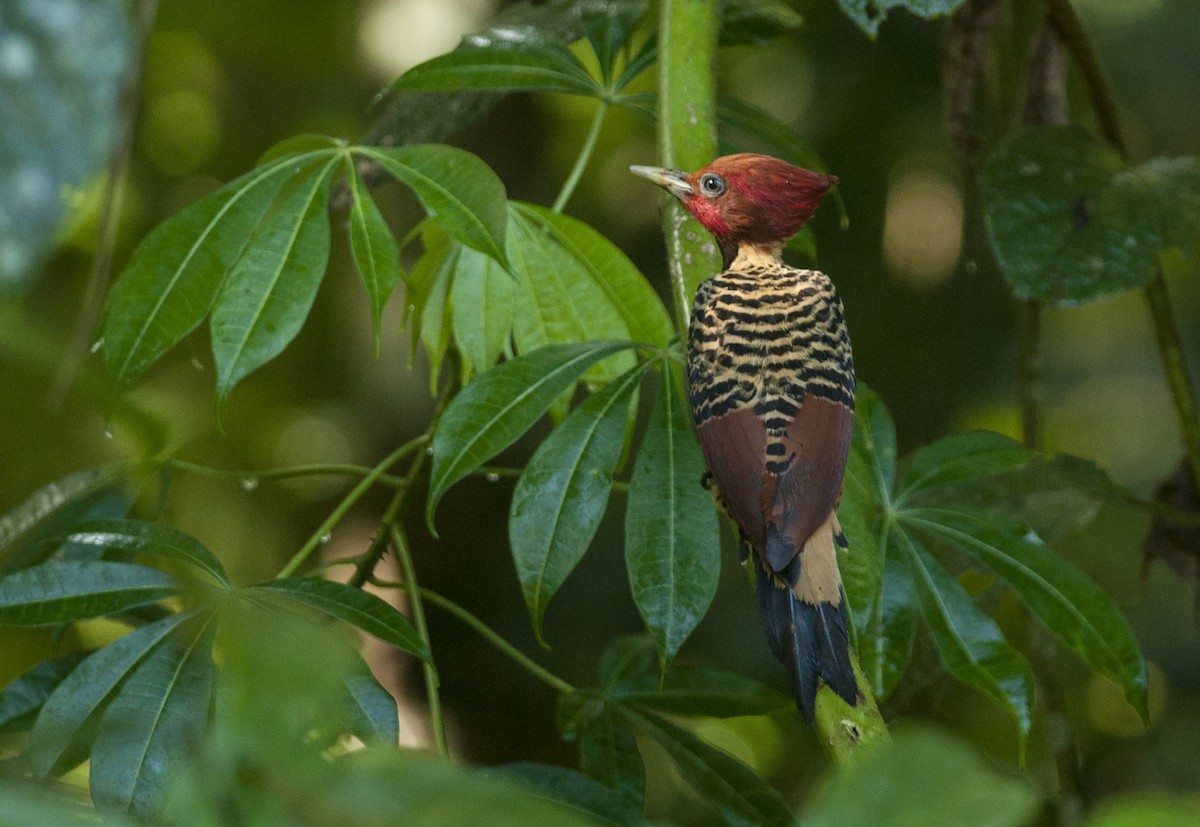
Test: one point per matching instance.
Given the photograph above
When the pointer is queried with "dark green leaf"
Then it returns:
(57, 592)
(702, 690)
(623, 286)
(375, 253)
(671, 543)
(625, 660)
(1067, 601)
(608, 752)
(740, 795)
(372, 710)
(756, 21)
(517, 57)
(458, 190)
(482, 309)
(970, 644)
(153, 723)
(573, 789)
(175, 274)
(924, 778)
(266, 297)
(491, 412)
(358, 608)
(886, 648)
(607, 24)
(869, 14)
(300, 145)
(153, 539)
(26, 531)
(958, 459)
(1061, 226)
(24, 695)
(862, 564)
(563, 492)
(61, 735)
(1168, 189)
(875, 443)
(761, 127)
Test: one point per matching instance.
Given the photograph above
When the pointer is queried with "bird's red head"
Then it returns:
(746, 198)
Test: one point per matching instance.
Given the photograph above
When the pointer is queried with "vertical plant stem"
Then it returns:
(1028, 378)
(1170, 347)
(417, 607)
(585, 155)
(687, 136)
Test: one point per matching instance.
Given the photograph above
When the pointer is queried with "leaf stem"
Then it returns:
(364, 485)
(1028, 378)
(541, 673)
(585, 155)
(417, 607)
(1170, 346)
(312, 470)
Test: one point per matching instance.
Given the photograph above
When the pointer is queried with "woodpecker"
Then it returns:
(771, 385)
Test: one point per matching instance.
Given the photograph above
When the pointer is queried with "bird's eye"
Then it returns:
(712, 185)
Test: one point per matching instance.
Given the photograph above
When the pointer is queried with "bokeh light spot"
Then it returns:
(922, 228)
(396, 35)
(181, 132)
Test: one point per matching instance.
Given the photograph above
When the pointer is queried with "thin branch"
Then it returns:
(585, 155)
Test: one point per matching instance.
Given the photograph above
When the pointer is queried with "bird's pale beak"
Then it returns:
(672, 180)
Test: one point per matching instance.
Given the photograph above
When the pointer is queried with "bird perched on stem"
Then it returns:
(771, 383)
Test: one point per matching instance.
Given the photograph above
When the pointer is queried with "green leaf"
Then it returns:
(375, 252)
(622, 284)
(702, 690)
(1062, 224)
(27, 530)
(58, 592)
(427, 295)
(1157, 809)
(358, 608)
(458, 190)
(1068, 603)
(490, 413)
(1168, 190)
(739, 794)
(885, 647)
(870, 14)
(608, 752)
(672, 550)
(970, 644)
(23, 804)
(625, 660)
(482, 310)
(775, 137)
(62, 733)
(266, 297)
(372, 710)
(152, 539)
(514, 58)
(958, 459)
(153, 723)
(24, 695)
(562, 494)
(302, 144)
(573, 789)
(921, 778)
(607, 26)
(175, 274)
(875, 444)
(862, 565)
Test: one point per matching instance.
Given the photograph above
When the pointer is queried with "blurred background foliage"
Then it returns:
(933, 324)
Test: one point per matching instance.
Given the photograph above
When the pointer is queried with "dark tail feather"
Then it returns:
(810, 639)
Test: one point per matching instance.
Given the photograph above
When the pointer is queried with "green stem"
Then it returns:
(842, 728)
(585, 155)
(541, 673)
(366, 566)
(417, 607)
(364, 485)
(1170, 346)
(313, 470)
(687, 136)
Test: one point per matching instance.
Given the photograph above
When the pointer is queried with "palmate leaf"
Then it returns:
(885, 660)
(482, 310)
(358, 608)
(608, 24)
(152, 539)
(502, 404)
(428, 297)
(574, 789)
(671, 541)
(608, 752)
(24, 695)
(62, 734)
(562, 494)
(376, 255)
(158, 714)
(175, 274)
(27, 531)
(58, 592)
(266, 297)
(371, 711)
